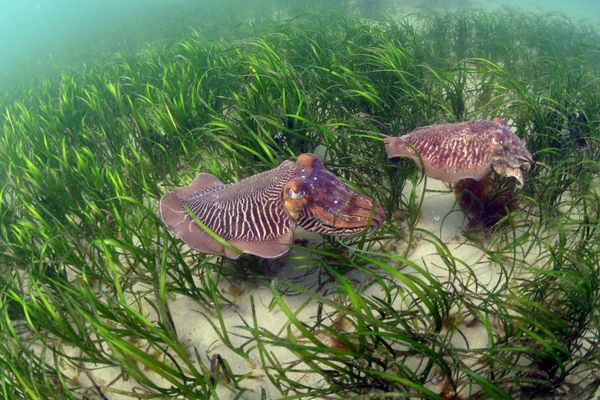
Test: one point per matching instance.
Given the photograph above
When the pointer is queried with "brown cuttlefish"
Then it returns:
(258, 214)
(465, 154)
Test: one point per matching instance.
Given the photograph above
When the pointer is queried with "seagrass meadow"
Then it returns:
(99, 301)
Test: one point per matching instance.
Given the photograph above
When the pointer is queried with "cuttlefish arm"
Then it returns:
(257, 215)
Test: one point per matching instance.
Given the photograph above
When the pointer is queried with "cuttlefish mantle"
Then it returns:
(258, 214)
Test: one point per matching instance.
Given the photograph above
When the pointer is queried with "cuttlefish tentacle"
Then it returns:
(257, 215)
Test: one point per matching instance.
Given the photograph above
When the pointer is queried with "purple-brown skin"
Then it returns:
(257, 215)
(451, 152)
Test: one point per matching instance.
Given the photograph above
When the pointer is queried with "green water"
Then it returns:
(42, 35)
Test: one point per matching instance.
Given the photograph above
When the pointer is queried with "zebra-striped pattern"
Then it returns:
(312, 223)
(249, 210)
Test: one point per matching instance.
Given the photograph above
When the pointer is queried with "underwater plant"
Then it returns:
(99, 300)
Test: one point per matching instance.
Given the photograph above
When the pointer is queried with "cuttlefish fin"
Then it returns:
(176, 217)
(264, 249)
(201, 183)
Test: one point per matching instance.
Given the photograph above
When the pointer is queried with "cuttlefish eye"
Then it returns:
(295, 195)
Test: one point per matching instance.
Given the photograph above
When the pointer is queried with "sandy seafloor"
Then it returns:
(439, 215)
